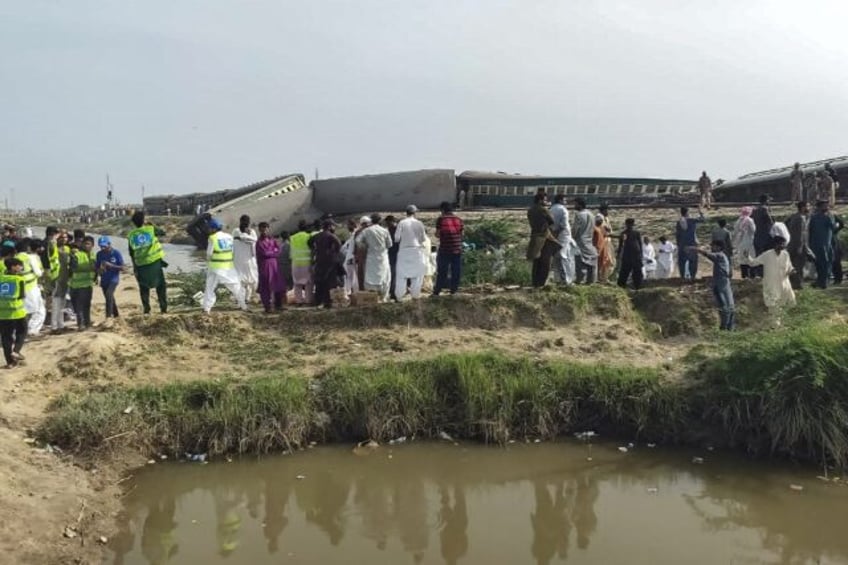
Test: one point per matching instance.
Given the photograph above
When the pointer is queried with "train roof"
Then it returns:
(501, 176)
(783, 172)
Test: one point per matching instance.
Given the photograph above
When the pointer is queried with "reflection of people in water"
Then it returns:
(372, 501)
(122, 542)
(411, 516)
(584, 518)
(228, 521)
(323, 500)
(158, 542)
(453, 522)
(551, 523)
(277, 492)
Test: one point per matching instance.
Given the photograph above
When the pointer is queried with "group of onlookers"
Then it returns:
(388, 256)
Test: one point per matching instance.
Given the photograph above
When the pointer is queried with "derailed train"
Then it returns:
(776, 182)
(286, 200)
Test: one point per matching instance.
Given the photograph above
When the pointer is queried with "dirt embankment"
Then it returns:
(54, 491)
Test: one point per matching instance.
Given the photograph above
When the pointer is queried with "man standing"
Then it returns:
(325, 260)
(301, 260)
(763, 221)
(722, 234)
(705, 187)
(798, 247)
(410, 236)
(822, 229)
(796, 182)
(148, 263)
(630, 251)
(582, 231)
(665, 258)
(449, 229)
(83, 279)
(826, 188)
(351, 281)
(39, 314)
(220, 267)
(391, 227)
(109, 264)
(564, 260)
(687, 238)
(834, 179)
(542, 244)
(59, 290)
(376, 242)
(13, 324)
(244, 256)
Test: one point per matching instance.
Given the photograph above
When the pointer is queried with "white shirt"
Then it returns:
(410, 232)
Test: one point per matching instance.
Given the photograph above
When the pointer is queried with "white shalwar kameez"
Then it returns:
(376, 240)
(244, 257)
(565, 267)
(665, 260)
(216, 277)
(777, 290)
(351, 280)
(412, 259)
(649, 261)
(34, 300)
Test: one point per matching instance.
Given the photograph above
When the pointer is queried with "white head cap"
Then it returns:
(364, 221)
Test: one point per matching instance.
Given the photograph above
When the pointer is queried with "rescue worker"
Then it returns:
(301, 259)
(81, 283)
(220, 267)
(59, 290)
(13, 323)
(148, 259)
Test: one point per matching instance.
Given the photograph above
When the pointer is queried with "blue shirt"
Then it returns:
(109, 275)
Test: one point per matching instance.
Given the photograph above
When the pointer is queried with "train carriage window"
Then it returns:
(625, 189)
(603, 189)
(662, 189)
(637, 189)
(592, 189)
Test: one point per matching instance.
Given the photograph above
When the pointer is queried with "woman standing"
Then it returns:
(272, 286)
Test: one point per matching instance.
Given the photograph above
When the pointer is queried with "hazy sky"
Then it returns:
(197, 95)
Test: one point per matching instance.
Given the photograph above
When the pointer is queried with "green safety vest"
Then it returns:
(83, 275)
(301, 255)
(11, 303)
(222, 252)
(53, 259)
(30, 280)
(145, 246)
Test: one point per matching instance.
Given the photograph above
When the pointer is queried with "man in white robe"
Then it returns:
(244, 253)
(34, 301)
(665, 258)
(412, 259)
(376, 241)
(220, 268)
(564, 267)
(351, 280)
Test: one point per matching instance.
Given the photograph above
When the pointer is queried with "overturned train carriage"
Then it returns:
(776, 182)
(511, 190)
(280, 202)
(284, 201)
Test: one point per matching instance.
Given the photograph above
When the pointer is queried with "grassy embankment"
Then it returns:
(763, 391)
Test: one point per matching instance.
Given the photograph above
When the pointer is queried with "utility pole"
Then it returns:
(316, 173)
(142, 197)
(109, 192)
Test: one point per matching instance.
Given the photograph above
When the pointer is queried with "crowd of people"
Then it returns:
(391, 258)
(582, 250)
(387, 256)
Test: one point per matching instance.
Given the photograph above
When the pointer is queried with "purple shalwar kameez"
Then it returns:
(271, 283)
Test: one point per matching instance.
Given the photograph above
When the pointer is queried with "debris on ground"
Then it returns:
(698, 460)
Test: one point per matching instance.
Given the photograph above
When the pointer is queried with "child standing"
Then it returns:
(722, 290)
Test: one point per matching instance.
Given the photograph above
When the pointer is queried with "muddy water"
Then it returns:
(480, 506)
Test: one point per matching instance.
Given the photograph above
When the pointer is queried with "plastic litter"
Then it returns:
(445, 436)
(797, 488)
(622, 449)
(128, 410)
(196, 457)
(69, 532)
(653, 490)
(401, 439)
(698, 460)
(585, 435)
(300, 477)
(652, 445)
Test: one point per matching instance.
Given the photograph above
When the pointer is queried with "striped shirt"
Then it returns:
(449, 232)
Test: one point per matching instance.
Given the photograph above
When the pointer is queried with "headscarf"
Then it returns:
(779, 230)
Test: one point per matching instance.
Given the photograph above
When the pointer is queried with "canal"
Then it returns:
(475, 505)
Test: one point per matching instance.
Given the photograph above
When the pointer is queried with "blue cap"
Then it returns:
(8, 243)
(104, 241)
(215, 224)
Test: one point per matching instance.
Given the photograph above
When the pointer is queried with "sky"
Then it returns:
(181, 96)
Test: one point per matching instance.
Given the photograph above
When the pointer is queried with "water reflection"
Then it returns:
(439, 504)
